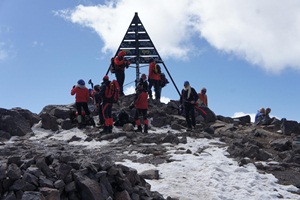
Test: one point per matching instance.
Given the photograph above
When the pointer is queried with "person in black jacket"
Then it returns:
(188, 100)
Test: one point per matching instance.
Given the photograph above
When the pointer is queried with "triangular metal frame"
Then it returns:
(140, 48)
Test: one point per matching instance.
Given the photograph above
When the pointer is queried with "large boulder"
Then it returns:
(13, 123)
(59, 111)
(288, 127)
(49, 122)
(32, 118)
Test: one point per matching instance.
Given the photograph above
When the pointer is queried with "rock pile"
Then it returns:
(61, 171)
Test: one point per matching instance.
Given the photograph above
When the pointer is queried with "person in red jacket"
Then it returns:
(121, 63)
(154, 79)
(82, 98)
(141, 106)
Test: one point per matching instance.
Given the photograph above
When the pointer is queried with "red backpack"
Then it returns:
(112, 91)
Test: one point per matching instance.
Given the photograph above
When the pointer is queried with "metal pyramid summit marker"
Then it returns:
(139, 47)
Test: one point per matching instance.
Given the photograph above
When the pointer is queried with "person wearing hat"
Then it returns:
(154, 79)
(121, 63)
(203, 97)
(106, 106)
(82, 97)
(188, 100)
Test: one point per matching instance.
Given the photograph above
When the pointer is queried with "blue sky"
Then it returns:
(247, 55)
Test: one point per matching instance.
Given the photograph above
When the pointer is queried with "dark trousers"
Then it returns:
(190, 114)
(157, 89)
(140, 112)
(100, 113)
(85, 107)
(107, 114)
(120, 76)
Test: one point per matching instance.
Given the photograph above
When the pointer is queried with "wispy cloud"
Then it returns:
(3, 52)
(37, 44)
(264, 33)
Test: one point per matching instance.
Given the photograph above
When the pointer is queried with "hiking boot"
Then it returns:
(92, 121)
(189, 129)
(110, 129)
(80, 126)
(139, 129)
(105, 130)
(146, 129)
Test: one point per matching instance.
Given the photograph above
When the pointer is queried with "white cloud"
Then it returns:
(165, 100)
(264, 33)
(129, 90)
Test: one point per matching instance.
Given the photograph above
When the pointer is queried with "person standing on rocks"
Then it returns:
(188, 100)
(120, 64)
(143, 80)
(154, 79)
(107, 104)
(141, 106)
(82, 97)
(98, 102)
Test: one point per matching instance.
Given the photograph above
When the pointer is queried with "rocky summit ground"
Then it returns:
(40, 160)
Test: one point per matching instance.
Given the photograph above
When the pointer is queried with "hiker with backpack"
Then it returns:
(110, 93)
(120, 63)
(154, 79)
(82, 97)
(141, 105)
(188, 100)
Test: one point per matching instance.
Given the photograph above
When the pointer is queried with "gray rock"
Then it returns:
(50, 193)
(13, 123)
(67, 124)
(281, 144)
(89, 189)
(32, 118)
(124, 195)
(151, 174)
(4, 135)
(288, 127)
(49, 122)
(13, 172)
(29, 195)
(128, 127)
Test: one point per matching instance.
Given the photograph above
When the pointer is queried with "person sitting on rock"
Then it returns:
(203, 98)
(82, 98)
(259, 116)
(188, 99)
(266, 118)
(123, 118)
(141, 105)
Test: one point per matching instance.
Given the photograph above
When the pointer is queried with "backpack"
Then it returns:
(112, 91)
(163, 80)
(112, 65)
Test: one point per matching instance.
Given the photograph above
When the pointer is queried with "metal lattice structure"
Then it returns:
(140, 48)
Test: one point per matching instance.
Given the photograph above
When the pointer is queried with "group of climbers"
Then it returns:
(103, 96)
